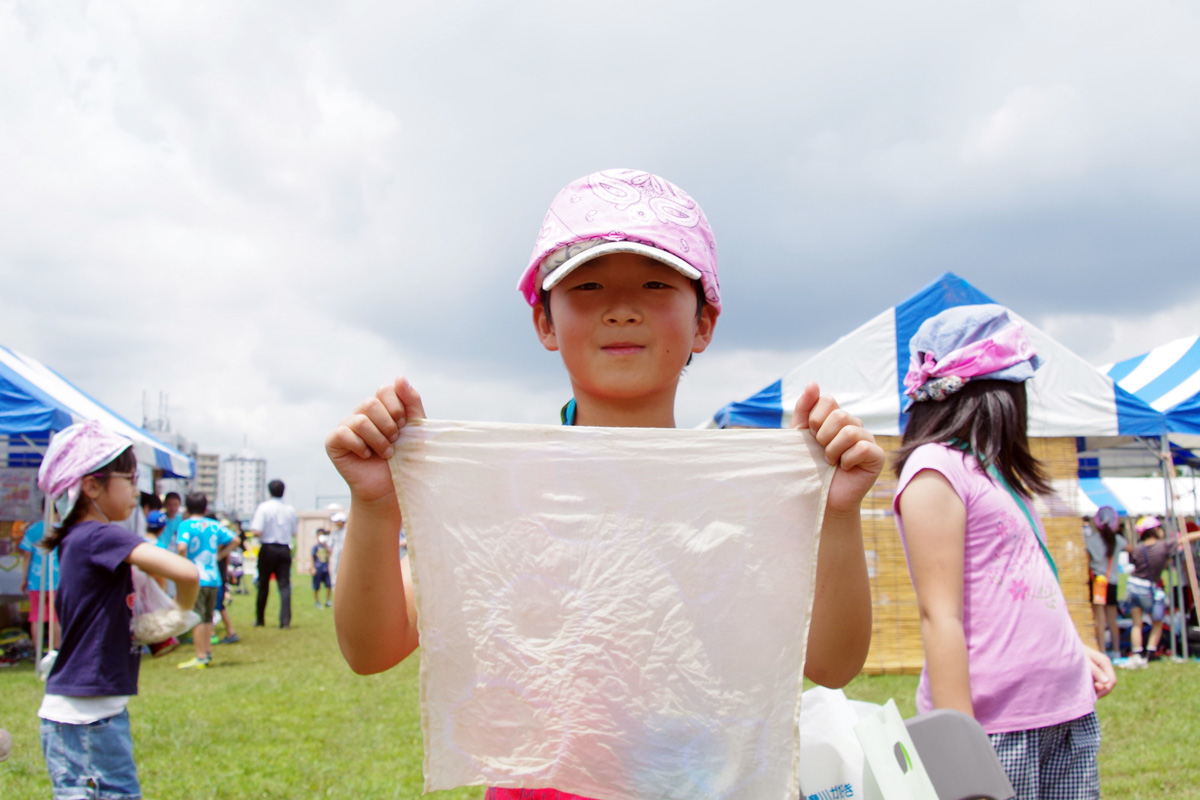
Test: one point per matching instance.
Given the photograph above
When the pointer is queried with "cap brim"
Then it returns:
(662, 256)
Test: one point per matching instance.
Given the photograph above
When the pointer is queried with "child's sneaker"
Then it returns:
(1135, 661)
(194, 663)
(232, 638)
(329, 604)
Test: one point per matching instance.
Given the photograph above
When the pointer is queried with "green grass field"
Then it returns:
(279, 715)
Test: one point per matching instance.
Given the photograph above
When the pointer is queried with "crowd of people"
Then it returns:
(1133, 582)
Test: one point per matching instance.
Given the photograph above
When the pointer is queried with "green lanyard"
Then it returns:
(1020, 501)
(995, 473)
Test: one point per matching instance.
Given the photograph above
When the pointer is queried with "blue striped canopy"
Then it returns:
(1168, 380)
(35, 400)
(865, 371)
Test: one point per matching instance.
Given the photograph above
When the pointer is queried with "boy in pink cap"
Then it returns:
(623, 285)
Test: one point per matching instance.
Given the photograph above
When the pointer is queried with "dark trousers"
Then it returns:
(275, 559)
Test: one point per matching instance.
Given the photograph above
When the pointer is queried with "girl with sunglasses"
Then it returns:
(90, 474)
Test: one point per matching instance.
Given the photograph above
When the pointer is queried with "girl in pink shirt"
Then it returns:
(999, 643)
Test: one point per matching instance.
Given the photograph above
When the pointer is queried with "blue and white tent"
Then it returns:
(35, 400)
(865, 371)
(1168, 380)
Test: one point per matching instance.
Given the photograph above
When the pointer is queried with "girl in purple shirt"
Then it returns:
(90, 473)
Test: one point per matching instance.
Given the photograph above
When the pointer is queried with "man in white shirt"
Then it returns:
(275, 524)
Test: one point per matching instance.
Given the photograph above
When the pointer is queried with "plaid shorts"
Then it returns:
(1054, 763)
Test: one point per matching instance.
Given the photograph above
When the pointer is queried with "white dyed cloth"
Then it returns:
(620, 613)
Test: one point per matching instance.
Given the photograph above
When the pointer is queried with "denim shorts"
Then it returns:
(91, 762)
(1147, 596)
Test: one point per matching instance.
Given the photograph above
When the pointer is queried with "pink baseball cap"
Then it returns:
(622, 211)
(1147, 524)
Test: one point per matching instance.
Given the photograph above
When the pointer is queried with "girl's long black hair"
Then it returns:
(1106, 522)
(125, 461)
(988, 418)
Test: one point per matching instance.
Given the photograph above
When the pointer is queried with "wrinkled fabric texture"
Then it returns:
(614, 613)
(74, 453)
(623, 205)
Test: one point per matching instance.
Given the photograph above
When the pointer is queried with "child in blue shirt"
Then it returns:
(623, 285)
(39, 568)
(204, 542)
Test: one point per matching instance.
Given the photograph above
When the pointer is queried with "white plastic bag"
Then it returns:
(156, 618)
(894, 770)
(831, 758)
(594, 605)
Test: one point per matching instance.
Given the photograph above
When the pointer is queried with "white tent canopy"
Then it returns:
(1137, 496)
(865, 369)
(35, 399)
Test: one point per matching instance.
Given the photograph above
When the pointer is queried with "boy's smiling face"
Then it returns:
(625, 326)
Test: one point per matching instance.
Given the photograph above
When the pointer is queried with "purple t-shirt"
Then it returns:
(1026, 662)
(98, 657)
(1149, 560)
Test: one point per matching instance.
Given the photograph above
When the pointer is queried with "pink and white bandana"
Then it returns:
(76, 452)
(965, 343)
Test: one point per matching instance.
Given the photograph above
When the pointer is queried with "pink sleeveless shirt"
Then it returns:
(1025, 659)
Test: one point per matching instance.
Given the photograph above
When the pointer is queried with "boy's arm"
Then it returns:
(839, 633)
(373, 609)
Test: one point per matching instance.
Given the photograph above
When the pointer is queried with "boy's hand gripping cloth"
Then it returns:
(617, 613)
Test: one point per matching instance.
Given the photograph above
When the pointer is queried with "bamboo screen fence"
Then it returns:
(896, 634)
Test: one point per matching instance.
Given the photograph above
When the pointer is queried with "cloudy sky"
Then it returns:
(267, 209)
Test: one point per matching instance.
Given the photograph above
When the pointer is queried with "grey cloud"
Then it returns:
(359, 190)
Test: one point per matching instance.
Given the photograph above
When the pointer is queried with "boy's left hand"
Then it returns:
(846, 443)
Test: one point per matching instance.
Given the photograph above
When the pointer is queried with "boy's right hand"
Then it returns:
(361, 443)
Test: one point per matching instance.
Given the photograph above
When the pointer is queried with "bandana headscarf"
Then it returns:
(966, 343)
(74, 453)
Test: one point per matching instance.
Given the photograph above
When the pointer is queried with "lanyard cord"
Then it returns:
(567, 415)
(995, 473)
(1020, 501)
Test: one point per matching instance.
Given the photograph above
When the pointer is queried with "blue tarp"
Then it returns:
(1099, 494)
(35, 400)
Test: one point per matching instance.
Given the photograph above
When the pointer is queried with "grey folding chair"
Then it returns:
(958, 756)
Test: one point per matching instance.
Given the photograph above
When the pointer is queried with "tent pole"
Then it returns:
(47, 519)
(1169, 474)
